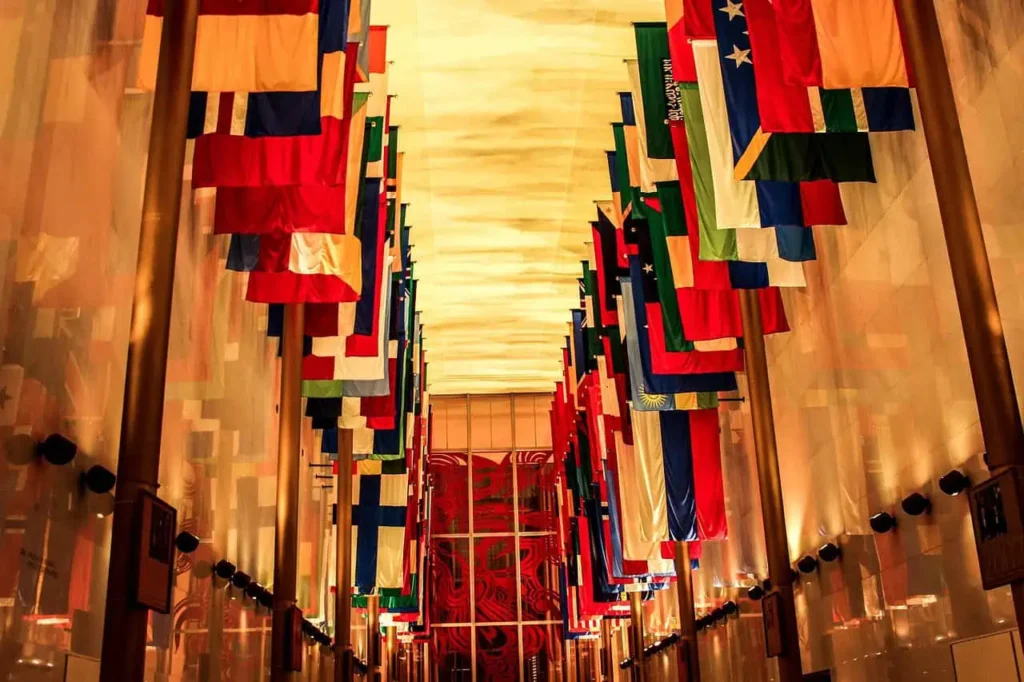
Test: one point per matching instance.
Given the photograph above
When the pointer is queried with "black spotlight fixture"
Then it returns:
(241, 580)
(807, 564)
(224, 569)
(186, 542)
(717, 615)
(308, 629)
(266, 598)
(882, 522)
(730, 608)
(954, 483)
(253, 589)
(99, 479)
(57, 450)
(756, 593)
(766, 585)
(916, 504)
(828, 552)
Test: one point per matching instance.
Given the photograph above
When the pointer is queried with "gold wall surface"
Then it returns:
(873, 400)
(73, 139)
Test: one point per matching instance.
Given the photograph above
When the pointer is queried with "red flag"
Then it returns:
(783, 106)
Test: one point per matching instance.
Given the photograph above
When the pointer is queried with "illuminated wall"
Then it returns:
(873, 400)
(73, 137)
(495, 609)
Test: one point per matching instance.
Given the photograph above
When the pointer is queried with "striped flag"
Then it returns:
(243, 45)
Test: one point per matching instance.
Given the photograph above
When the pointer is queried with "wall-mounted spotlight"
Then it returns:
(266, 598)
(916, 504)
(253, 590)
(882, 522)
(828, 552)
(730, 608)
(186, 542)
(756, 593)
(807, 564)
(99, 479)
(240, 580)
(954, 483)
(57, 450)
(717, 615)
(224, 569)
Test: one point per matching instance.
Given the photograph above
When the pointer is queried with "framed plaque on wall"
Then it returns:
(153, 567)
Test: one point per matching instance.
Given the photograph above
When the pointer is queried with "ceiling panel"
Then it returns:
(504, 108)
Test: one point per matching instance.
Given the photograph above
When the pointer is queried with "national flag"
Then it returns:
(629, 507)
(243, 46)
(757, 154)
(358, 33)
(658, 88)
(258, 114)
(836, 44)
(379, 512)
(224, 160)
(648, 169)
(301, 267)
(642, 375)
(694, 319)
(787, 105)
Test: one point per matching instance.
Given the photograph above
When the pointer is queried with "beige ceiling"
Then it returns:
(504, 108)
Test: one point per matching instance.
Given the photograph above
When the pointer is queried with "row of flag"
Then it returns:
(291, 120)
(742, 121)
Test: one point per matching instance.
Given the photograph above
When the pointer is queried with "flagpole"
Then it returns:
(689, 663)
(123, 656)
(607, 657)
(636, 617)
(286, 539)
(965, 244)
(770, 481)
(343, 669)
(391, 664)
(373, 638)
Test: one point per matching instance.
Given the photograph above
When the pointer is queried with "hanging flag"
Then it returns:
(658, 88)
(379, 511)
(243, 46)
(758, 155)
(649, 169)
(836, 44)
(292, 112)
(677, 391)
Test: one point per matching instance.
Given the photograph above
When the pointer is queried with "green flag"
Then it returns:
(660, 94)
(715, 244)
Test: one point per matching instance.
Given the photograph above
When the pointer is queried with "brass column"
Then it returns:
(689, 662)
(636, 621)
(769, 479)
(343, 655)
(373, 638)
(390, 654)
(965, 245)
(123, 656)
(286, 539)
(608, 655)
